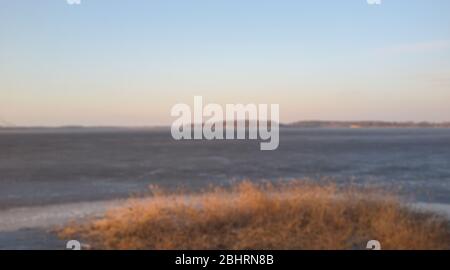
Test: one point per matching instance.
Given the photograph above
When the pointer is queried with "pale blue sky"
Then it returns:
(117, 62)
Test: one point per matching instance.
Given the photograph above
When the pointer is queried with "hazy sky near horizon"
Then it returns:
(116, 62)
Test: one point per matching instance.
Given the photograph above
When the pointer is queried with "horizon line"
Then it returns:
(280, 123)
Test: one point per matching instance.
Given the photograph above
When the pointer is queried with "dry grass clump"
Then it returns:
(292, 215)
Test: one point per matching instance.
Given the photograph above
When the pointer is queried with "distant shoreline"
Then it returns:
(368, 124)
(299, 124)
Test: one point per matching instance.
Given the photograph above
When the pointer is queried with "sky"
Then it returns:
(117, 62)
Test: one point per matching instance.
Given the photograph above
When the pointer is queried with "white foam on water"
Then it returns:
(45, 217)
(438, 208)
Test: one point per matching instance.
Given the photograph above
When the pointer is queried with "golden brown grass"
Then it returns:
(292, 215)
